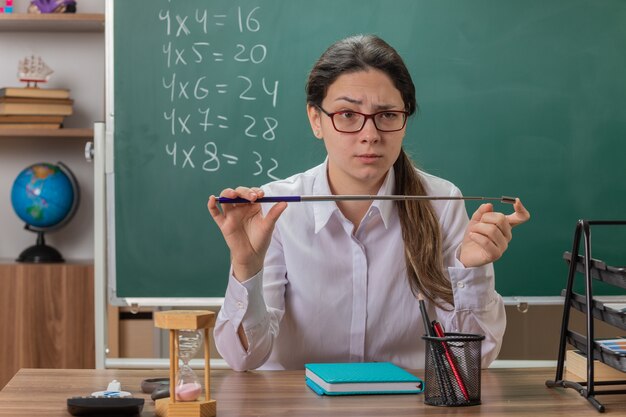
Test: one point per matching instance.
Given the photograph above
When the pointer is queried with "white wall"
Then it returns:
(78, 63)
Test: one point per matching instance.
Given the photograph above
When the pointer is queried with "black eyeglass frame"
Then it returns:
(367, 116)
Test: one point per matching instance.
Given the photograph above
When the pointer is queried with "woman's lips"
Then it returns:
(368, 157)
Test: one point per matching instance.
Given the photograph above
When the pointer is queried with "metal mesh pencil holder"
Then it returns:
(452, 370)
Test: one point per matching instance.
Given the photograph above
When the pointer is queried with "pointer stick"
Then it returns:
(304, 198)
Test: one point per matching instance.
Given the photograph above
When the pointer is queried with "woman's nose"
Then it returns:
(369, 132)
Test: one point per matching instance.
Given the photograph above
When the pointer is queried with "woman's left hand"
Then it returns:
(489, 233)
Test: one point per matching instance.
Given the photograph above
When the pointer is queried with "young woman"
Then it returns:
(337, 282)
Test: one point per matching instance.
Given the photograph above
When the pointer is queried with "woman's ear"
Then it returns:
(315, 120)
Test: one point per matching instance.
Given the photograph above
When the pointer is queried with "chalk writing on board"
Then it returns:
(210, 161)
(201, 92)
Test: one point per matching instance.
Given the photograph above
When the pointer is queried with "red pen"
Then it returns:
(439, 332)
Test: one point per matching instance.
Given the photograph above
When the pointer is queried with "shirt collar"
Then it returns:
(323, 212)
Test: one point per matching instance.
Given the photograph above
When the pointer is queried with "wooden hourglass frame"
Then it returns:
(174, 321)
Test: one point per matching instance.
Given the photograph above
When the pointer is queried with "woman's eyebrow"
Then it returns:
(349, 100)
(385, 106)
(378, 107)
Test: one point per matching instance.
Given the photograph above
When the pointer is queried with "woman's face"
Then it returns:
(358, 162)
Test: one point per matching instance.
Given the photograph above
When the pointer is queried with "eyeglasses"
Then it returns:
(348, 121)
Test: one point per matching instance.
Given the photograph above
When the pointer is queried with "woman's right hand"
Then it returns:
(246, 231)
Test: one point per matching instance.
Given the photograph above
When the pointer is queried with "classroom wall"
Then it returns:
(534, 335)
(78, 63)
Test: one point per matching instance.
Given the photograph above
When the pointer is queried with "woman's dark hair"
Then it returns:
(360, 53)
(420, 228)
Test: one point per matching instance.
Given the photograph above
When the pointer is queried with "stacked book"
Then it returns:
(34, 108)
(576, 365)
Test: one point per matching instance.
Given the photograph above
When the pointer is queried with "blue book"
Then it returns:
(361, 378)
(615, 345)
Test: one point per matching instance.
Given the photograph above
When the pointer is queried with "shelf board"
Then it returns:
(74, 133)
(52, 22)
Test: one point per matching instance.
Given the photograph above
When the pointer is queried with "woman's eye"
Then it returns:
(347, 115)
(389, 115)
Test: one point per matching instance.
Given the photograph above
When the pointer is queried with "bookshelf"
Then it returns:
(53, 22)
(47, 310)
(71, 133)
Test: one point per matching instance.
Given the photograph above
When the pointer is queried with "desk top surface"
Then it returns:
(510, 392)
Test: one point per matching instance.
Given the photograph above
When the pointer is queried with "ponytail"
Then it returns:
(422, 236)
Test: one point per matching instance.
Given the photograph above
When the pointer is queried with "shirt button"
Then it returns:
(460, 285)
(239, 305)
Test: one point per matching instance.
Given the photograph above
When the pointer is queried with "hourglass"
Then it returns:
(188, 329)
(187, 386)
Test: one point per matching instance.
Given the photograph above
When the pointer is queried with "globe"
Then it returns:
(45, 197)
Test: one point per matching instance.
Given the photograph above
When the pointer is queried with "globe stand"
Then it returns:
(40, 253)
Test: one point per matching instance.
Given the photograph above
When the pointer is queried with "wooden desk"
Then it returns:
(505, 392)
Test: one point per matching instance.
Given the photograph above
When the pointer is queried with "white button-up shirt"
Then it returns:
(328, 293)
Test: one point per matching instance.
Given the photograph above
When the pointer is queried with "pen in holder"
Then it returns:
(452, 371)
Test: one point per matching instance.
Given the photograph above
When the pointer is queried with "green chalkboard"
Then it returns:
(521, 98)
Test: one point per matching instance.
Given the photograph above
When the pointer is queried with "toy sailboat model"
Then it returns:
(33, 70)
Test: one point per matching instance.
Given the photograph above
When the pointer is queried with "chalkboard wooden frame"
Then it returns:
(528, 96)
